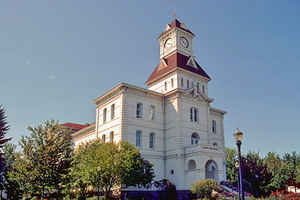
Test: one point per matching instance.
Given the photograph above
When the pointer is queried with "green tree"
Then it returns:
(119, 164)
(292, 162)
(256, 177)
(9, 182)
(44, 163)
(204, 188)
(279, 171)
(3, 131)
(231, 159)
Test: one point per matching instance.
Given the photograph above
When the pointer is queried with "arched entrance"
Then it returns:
(211, 170)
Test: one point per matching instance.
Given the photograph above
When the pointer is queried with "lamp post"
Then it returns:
(237, 166)
(238, 135)
(98, 182)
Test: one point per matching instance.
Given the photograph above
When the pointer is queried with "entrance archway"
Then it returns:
(211, 170)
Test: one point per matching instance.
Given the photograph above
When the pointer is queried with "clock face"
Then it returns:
(168, 43)
(184, 42)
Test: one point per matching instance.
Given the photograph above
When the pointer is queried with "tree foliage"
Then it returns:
(44, 162)
(9, 182)
(119, 164)
(4, 127)
(204, 188)
(255, 175)
(231, 159)
(263, 175)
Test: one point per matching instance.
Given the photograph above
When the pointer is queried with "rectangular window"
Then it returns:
(139, 110)
(138, 142)
(104, 115)
(172, 83)
(214, 126)
(112, 111)
(182, 84)
(198, 87)
(191, 114)
(166, 86)
(111, 136)
(152, 112)
(195, 115)
(187, 83)
(151, 140)
(203, 89)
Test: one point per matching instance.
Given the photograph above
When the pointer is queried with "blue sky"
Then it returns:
(57, 56)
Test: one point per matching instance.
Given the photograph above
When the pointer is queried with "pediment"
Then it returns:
(192, 93)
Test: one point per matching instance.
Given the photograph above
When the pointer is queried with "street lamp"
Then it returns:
(238, 135)
(98, 182)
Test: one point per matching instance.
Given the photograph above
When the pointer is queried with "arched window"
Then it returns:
(191, 165)
(139, 110)
(104, 115)
(111, 136)
(211, 170)
(195, 138)
(103, 138)
(151, 140)
(138, 142)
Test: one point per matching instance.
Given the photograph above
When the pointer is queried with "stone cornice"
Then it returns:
(123, 88)
(222, 112)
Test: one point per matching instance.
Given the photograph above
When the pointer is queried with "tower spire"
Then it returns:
(174, 13)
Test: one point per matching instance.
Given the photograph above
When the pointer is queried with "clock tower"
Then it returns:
(176, 37)
(177, 67)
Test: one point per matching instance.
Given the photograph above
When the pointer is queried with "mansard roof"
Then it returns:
(174, 61)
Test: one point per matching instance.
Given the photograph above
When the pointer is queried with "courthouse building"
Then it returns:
(171, 120)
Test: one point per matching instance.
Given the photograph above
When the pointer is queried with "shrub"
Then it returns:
(204, 188)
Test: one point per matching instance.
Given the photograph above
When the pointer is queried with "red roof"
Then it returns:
(173, 61)
(176, 23)
(74, 126)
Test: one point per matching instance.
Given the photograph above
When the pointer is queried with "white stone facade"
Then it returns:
(180, 133)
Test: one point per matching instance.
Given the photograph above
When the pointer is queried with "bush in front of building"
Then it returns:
(204, 188)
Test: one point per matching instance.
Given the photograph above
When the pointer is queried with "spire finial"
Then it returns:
(174, 13)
